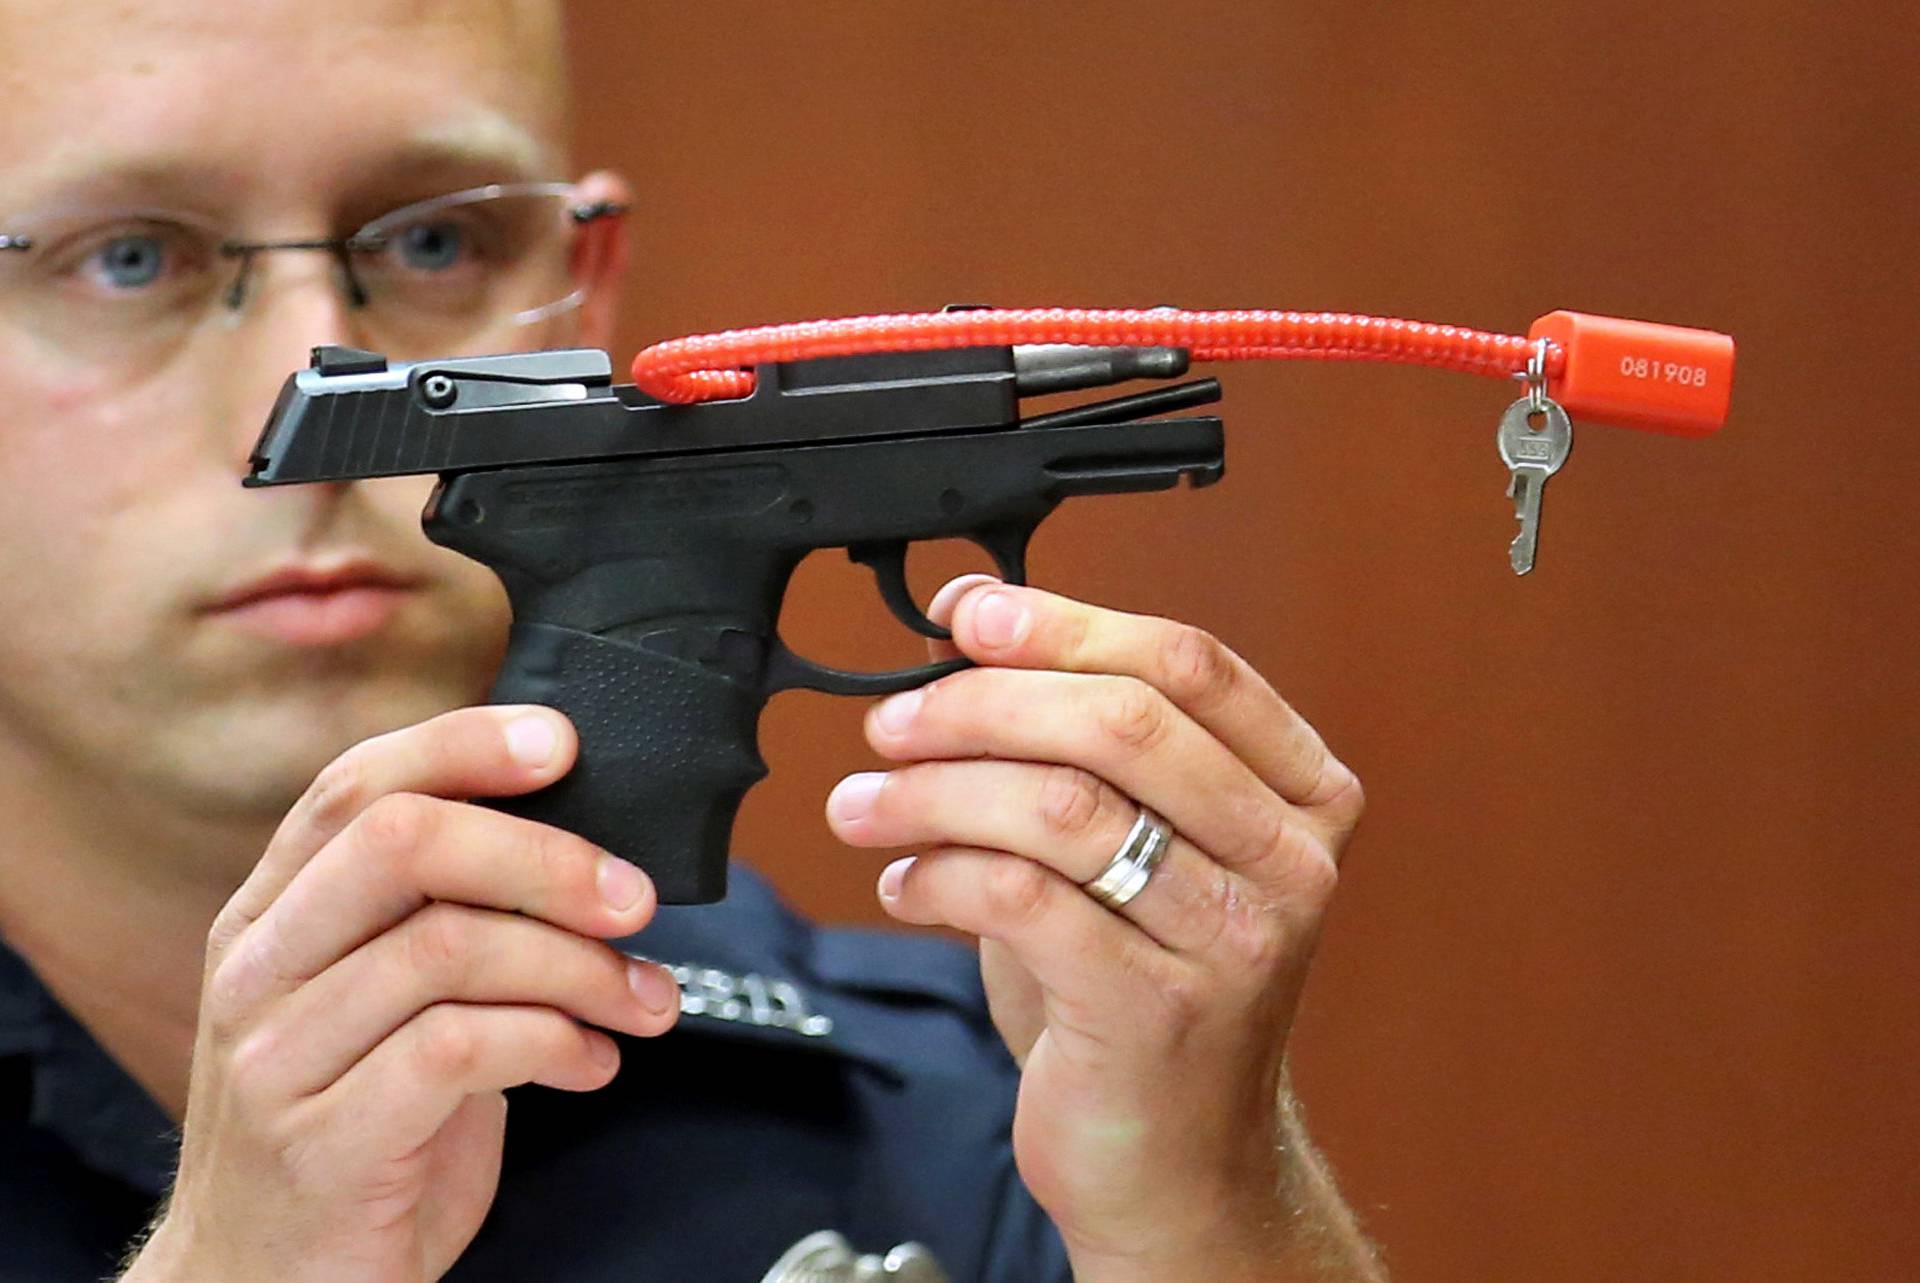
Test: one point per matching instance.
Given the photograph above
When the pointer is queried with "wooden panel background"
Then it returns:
(1621, 979)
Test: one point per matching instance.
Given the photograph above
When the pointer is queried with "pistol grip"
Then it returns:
(668, 747)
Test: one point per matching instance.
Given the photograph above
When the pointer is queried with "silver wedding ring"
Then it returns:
(1126, 874)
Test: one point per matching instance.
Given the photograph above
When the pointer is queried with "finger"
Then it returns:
(1020, 627)
(1100, 975)
(495, 751)
(450, 952)
(396, 1098)
(1072, 822)
(940, 611)
(407, 850)
(1014, 999)
(1117, 728)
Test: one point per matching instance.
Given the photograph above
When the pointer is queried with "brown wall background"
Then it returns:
(1620, 983)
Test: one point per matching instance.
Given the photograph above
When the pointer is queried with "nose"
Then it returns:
(291, 306)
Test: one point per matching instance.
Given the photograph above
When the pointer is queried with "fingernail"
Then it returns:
(853, 797)
(1000, 620)
(653, 987)
(621, 884)
(891, 877)
(897, 713)
(531, 740)
(602, 1049)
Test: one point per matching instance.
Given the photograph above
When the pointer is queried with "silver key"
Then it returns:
(1531, 457)
(826, 1257)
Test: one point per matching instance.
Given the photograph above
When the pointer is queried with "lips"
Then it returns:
(316, 605)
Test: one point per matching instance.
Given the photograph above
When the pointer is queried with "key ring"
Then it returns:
(1536, 377)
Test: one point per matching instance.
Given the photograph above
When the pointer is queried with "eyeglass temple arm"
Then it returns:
(598, 209)
(342, 246)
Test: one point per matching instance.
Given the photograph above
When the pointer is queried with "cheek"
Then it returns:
(85, 575)
(88, 481)
(399, 499)
(40, 546)
(97, 423)
(84, 570)
(397, 503)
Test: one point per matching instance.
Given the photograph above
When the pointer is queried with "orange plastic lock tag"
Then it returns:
(1638, 374)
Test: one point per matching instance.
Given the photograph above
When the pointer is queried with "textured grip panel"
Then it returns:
(668, 747)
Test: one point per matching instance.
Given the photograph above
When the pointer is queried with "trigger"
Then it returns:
(889, 564)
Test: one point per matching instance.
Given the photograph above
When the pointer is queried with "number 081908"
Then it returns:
(1642, 367)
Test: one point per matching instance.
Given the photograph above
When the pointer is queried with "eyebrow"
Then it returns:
(470, 152)
(490, 136)
(119, 181)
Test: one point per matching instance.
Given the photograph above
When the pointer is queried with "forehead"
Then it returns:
(285, 98)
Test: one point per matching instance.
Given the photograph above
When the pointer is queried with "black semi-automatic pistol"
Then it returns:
(646, 547)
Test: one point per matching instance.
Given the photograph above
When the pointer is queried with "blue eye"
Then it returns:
(432, 247)
(131, 262)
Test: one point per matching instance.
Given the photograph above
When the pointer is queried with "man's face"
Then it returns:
(125, 536)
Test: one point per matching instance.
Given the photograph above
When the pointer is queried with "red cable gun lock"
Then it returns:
(646, 533)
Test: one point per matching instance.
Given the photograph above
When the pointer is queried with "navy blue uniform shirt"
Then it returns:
(818, 1079)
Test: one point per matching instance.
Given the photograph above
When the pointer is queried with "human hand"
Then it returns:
(395, 960)
(1153, 1123)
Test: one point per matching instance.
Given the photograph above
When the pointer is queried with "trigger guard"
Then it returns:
(1007, 545)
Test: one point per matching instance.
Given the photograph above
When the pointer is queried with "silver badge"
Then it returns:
(826, 1257)
(746, 999)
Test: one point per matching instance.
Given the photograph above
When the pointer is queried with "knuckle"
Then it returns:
(438, 748)
(445, 1045)
(339, 792)
(228, 924)
(254, 965)
(1248, 929)
(1263, 826)
(440, 941)
(1183, 996)
(553, 1038)
(1309, 877)
(559, 863)
(224, 998)
(564, 1036)
(966, 703)
(396, 825)
(1016, 891)
(1071, 801)
(1195, 666)
(1070, 632)
(1131, 716)
(1346, 799)
(251, 1059)
(1318, 876)
(940, 698)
